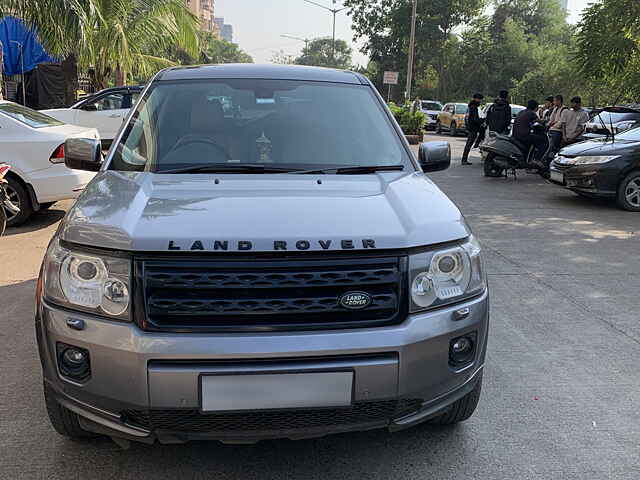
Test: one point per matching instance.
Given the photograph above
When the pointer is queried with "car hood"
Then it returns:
(156, 212)
(600, 146)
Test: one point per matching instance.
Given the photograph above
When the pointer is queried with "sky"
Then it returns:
(259, 24)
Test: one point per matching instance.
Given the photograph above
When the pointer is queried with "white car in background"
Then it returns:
(104, 110)
(431, 109)
(33, 144)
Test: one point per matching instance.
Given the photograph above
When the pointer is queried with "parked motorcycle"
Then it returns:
(5, 203)
(506, 154)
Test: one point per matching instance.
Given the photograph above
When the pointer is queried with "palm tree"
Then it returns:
(113, 36)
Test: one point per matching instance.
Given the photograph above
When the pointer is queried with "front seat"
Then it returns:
(206, 125)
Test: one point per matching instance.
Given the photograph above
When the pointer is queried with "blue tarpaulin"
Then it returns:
(13, 30)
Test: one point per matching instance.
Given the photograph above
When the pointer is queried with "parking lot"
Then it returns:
(560, 398)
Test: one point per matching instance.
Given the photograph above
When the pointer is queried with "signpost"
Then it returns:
(390, 78)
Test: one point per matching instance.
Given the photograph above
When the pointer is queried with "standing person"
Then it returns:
(573, 121)
(522, 126)
(474, 124)
(544, 111)
(555, 125)
(499, 114)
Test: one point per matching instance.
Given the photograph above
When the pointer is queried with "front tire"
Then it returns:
(461, 409)
(490, 168)
(629, 192)
(19, 196)
(63, 420)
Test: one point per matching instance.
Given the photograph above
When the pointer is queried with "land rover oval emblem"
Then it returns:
(355, 300)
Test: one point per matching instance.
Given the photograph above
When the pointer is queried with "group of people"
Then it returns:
(565, 124)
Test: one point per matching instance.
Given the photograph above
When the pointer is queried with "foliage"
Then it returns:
(320, 53)
(611, 54)
(119, 36)
(217, 50)
(282, 58)
(384, 25)
(410, 120)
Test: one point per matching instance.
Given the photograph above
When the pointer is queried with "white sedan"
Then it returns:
(33, 144)
(104, 110)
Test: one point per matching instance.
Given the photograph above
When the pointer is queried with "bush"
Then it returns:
(411, 122)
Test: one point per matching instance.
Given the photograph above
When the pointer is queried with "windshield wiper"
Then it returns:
(230, 168)
(353, 170)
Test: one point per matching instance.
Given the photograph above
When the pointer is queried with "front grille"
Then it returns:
(195, 295)
(434, 116)
(266, 421)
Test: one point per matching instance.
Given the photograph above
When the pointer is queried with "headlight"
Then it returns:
(89, 282)
(446, 276)
(585, 160)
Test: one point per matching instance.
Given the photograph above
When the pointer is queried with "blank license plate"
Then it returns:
(288, 390)
(557, 176)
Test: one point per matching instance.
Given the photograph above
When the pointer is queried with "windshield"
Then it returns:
(632, 135)
(431, 106)
(27, 116)
(278, 123)
(462, 108)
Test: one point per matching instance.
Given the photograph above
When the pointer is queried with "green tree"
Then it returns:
(385, 27)
(320, 53)
(608, 46)
(115, 37)
(217, 50)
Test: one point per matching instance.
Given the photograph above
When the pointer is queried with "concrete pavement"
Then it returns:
(561, 389)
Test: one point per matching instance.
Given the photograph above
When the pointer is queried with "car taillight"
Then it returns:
(58, 155)
(3, 170)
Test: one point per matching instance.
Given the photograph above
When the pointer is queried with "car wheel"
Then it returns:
(20, 198)
(453, 129)
(438, 128)
(629, 192)
(461, 409)
(63, 420)
(490, 168)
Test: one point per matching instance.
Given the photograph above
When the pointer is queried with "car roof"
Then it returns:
(257, 71)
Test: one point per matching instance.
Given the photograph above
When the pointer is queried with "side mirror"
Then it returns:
(83, 154)
(434, 156)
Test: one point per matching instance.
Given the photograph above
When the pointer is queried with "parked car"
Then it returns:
(603, 167)
(33, 143)
(276, 278)
(615, 120)
(431, 109)
(104, 110)
(451, 119)
(515, 110)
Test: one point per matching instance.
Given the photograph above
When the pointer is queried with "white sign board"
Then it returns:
(390, 78)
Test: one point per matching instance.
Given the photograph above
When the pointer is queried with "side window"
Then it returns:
(113, 101)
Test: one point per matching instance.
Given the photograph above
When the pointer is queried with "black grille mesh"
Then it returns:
(270, 421)
(288, 294)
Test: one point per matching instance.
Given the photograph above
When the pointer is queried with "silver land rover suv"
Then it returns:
(259, 256)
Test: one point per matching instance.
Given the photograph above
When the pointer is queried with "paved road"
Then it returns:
(561, 397)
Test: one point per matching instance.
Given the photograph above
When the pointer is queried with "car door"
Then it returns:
(445, 116)
(106, 113)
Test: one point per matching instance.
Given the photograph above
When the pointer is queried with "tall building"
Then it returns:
(203, 9)
(225, 30)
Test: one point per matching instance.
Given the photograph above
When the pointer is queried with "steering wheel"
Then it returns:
(190, 139)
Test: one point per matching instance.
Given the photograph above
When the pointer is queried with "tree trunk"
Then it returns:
(70, 74)
(121, 77)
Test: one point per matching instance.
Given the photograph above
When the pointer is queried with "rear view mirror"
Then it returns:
(434, 156)
(83, 154)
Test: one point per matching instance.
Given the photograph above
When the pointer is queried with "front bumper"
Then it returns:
(402, 371)
(587, 179)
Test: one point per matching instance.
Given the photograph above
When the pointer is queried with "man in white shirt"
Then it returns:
(573, 121)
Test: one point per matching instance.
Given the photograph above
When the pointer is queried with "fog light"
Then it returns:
(462, 350)
(73, 362)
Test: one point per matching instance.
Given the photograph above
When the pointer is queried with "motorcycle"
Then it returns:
(5, 204)
(506, 154)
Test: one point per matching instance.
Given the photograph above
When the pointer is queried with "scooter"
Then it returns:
(5, 204)
(505, 154)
